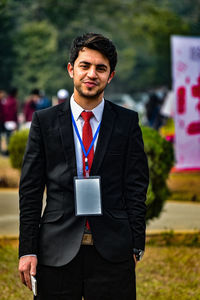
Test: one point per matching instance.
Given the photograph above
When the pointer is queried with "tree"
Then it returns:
(7, 53)
(141, 31)
(152, 27)
(36, 65)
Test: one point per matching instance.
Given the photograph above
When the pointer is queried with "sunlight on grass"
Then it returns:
(184, 186)
(9, 177)
(169, 273)
(165, 273)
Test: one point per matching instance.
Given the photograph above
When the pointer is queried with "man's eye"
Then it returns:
(101, 69)
(84, 66)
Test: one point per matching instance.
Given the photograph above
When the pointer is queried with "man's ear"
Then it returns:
(70, 69)
(111, 76)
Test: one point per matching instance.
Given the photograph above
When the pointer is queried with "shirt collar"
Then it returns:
(77, 109)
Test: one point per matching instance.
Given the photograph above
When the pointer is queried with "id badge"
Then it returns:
(88, 196)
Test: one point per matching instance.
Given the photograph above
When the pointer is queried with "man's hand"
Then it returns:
(27, 267)
(134, 257)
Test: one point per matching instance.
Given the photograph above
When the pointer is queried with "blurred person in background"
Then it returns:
(30, 106)
(34, 102)
(168, 106)
(10, 107)
(62, 95)
(153, 107)
(43, 101)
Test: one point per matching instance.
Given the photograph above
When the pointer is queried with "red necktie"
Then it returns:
(87, 140)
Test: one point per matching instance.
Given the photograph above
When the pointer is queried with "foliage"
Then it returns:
(37, 47)
(160, 158)
(36, 37)
(17, 147)
(156, 25)
(7, 54)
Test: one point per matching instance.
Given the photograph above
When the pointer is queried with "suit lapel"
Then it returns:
(107, 124)
(66, 131)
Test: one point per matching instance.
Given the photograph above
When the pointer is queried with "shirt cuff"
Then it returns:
(29, 255)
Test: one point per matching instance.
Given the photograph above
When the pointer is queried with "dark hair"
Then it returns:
(97, 42)
(35, 92)
(13, 92)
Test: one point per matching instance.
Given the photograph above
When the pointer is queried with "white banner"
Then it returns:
(186, 86)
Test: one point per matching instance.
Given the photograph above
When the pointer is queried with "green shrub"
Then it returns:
(17, 147)
(160, 158)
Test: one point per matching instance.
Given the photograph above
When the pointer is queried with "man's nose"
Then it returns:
(92, 72)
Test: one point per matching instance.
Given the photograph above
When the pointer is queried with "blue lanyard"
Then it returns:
(80, 140)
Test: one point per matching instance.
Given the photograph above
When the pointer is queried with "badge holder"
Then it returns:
(87, 189)
(88, 200)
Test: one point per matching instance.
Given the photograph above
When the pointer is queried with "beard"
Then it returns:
(89, 93)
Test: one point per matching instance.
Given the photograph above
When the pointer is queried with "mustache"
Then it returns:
(91, 81)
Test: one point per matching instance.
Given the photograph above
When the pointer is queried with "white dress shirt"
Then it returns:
(94, 122)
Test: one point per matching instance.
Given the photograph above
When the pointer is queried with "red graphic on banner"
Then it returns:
(193, 128)
(187, 80)
(196, 92)
(181, 124)
(181, 100)
(181, 66)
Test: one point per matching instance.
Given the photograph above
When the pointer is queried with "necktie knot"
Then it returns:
(87, 115)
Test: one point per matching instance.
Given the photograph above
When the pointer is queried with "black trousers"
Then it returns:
(88, 275)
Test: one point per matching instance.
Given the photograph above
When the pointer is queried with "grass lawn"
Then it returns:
(169, 273)
(165, 273)
(184, 186)
(10, 285)
(9, 177)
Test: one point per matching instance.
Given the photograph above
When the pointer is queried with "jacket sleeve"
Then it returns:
(136, 184)
(31, 190)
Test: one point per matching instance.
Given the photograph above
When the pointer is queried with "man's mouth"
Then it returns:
(90, 84)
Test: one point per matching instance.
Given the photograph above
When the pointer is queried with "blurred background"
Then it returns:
(35, 37)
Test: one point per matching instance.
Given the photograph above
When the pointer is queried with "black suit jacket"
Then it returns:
(50, 161)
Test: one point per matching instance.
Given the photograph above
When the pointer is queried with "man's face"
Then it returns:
(35, 98)
(91, 73)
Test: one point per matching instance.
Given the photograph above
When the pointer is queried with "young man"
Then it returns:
(93, 227)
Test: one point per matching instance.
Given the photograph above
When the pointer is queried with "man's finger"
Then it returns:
(28, 280)
(21, 274)
(33, 269)
(135, 259)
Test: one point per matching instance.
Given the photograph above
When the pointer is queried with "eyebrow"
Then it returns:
(98, 65)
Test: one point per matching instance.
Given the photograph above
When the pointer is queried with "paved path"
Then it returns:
(9, 213)
(177, 216)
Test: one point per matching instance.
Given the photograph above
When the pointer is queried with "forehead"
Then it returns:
(91, 56)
